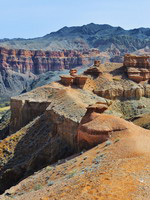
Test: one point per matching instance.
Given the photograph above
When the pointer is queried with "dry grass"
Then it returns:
(4, 108)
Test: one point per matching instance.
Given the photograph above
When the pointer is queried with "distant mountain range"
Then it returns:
(114, 40)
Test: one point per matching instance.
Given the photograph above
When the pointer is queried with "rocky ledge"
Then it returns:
(138, 67)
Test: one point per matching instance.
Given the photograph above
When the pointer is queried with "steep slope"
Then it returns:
(117, 169)
(115, 40)
(43, 129)
(13, 83)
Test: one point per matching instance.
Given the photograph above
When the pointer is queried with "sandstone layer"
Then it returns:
(38, 62)
(138, 67)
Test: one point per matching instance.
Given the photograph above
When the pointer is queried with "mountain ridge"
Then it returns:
(102, 36)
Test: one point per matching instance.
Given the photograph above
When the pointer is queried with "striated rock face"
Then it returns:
(138, 67)
(121, 91)
(37, 62)
(20, 69)
(13, 83)
(27, 111)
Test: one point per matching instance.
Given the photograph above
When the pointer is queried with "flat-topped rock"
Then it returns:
(67, 80)
(93, 71)
(80, 80)
(138, 67)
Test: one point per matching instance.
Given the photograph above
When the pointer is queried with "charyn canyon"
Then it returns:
(74, 103)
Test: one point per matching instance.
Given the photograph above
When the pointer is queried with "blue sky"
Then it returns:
(33, 18)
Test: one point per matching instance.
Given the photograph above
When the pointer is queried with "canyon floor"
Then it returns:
(40, 158)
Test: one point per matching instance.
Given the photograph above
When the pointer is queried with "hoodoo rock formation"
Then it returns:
(138, 67)
(97, 127)
(74, 79)
(37, 62)
(80, 80)
(100, 79)
(95, 70)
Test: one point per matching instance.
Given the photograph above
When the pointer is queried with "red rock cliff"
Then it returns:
(38, 62)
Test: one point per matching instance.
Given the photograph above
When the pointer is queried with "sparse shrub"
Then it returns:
(49, 168)
(37, 187)
(116, 79)
(7, 104)
(117, 140)
(71, 174)
(49, 96)
(108, 142)
(50, 183)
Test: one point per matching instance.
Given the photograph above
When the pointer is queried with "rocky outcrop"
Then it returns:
(97, 127)
(87, 135)
(67, 80)
(123, 92)
(101, 80)
(13, 83)
(78, 80)
(37, 62)
(110, 81)
(27, 110)
(138, 67)
(43, 129)
(95, 69)
(74, 79)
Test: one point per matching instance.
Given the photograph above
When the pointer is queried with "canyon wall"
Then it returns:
(38, 62)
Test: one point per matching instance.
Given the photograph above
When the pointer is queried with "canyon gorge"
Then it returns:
(78, 125)
(38, 62)
(61, 119)
(19, 69)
